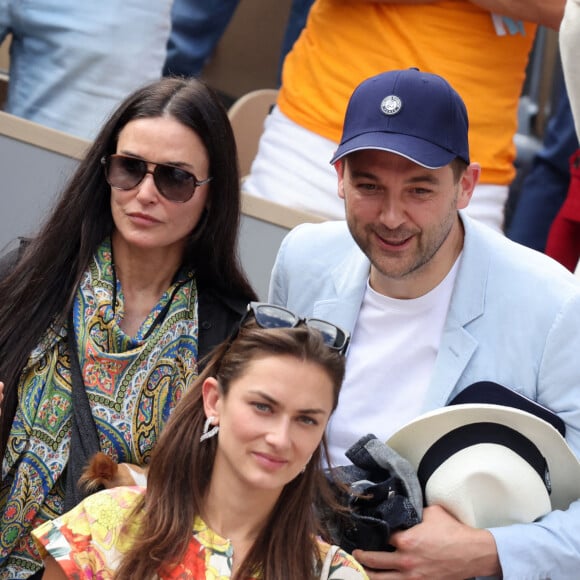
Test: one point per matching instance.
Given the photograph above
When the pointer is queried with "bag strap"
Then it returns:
(325, 574)
(84, 441)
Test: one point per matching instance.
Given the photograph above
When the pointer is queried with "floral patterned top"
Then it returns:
(89, 542)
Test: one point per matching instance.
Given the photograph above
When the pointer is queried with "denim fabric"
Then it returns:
(197, 27)
(545, 186)
(72, 62)
(383, 495)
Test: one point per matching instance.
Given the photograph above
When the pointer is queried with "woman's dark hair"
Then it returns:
(41, 287)
(181, 469)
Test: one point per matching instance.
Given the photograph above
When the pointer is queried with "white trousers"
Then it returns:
(73, 61)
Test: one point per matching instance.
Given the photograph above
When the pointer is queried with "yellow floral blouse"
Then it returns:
(87, 543)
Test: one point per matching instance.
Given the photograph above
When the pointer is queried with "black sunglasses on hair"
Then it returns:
(175, 184)
(273, 316)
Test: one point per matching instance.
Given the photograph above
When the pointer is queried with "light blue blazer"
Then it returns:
(514, 319)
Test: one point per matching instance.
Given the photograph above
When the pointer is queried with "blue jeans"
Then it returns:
(73, 61)
(198, 25)
(545, 186)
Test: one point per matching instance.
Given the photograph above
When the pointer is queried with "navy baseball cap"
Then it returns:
(408, 112)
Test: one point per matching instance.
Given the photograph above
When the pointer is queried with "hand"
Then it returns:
(538, 11)
(1, 396)
(439, 547)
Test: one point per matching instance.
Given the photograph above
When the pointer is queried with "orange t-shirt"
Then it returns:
(344, 43)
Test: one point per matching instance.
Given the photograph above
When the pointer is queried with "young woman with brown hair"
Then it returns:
(239, 459)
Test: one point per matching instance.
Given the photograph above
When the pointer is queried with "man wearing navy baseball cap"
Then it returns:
(435, 303)
(422, 118)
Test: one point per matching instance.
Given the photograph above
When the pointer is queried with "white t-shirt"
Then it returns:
(389, 365)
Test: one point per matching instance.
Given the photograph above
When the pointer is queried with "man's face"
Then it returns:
(404, 218)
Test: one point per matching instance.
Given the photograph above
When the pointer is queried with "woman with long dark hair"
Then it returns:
(107, 313)
(235, 476)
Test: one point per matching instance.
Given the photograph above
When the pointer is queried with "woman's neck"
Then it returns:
(144, 276)
(237, 515)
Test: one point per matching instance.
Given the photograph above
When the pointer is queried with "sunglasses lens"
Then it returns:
(174, 183)
(125, 172)
(333, 336)
(268, 316)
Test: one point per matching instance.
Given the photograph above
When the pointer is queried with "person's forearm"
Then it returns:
(570, 51)
(546, 12)
(481, 553)
(549, 548)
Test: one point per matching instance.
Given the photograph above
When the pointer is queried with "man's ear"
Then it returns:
(211, 397)
(467, 183)
(339, 167)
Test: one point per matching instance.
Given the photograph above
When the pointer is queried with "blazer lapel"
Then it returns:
(349, 280)
(467, 304)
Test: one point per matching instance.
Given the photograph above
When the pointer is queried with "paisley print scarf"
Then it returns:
(132, 382)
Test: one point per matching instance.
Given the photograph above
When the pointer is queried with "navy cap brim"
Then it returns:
(418, 150)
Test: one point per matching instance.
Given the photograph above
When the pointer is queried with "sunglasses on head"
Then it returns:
(173, 183)
(273, 316)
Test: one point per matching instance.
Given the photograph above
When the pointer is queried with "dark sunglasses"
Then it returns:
(272, 316)
(173, 183)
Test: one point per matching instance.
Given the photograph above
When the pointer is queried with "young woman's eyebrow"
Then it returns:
(272, 401)
(268, 398)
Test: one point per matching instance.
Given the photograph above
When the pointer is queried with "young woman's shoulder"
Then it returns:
(339, 565)
(95, 526)
(121, 498)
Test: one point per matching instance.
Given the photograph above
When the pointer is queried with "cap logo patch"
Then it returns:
(391, 105)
